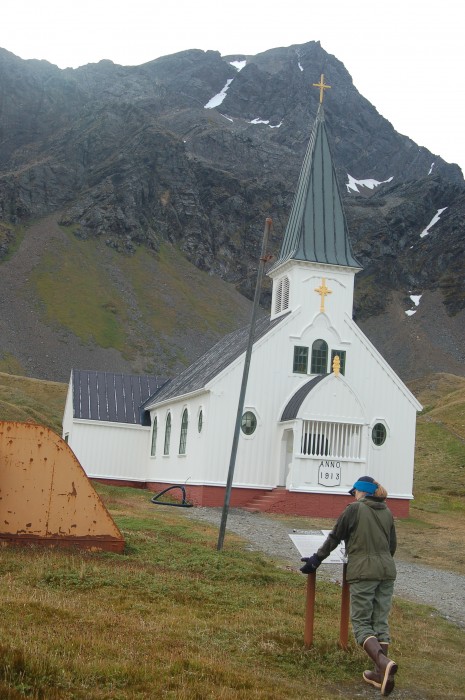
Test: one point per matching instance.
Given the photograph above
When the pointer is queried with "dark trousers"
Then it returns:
(370, 604)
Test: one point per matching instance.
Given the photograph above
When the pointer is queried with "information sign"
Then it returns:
(308, 543)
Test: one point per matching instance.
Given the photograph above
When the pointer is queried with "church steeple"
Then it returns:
(317, 229)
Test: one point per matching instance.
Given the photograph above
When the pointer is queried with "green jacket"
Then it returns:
(368, 531)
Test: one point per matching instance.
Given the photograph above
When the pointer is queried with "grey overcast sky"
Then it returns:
(405, 56)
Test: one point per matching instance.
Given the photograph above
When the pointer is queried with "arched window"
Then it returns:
(200, 421)
(319, 357)
(183, 436)
(153, 447)
(166, 447)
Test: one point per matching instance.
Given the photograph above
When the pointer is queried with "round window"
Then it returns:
(248, 423)
(378, 434)
(200, 422)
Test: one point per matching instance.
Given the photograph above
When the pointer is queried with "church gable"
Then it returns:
(380, 367)
(330, 398)
(212, 364)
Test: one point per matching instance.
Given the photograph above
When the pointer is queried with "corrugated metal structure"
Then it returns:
(45, 495)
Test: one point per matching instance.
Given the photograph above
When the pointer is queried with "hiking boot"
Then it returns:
(374, 677)
(385, 666)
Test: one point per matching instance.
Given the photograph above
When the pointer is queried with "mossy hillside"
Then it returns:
(76, 292)
(174, 295)
(11, 365)
(440, 446)
(10, 239)
(156, 303)
(23, 399)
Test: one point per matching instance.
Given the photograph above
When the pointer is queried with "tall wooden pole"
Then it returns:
(310, 610)
(245, 375)
(345, 611)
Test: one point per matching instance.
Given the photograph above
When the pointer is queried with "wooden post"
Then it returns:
(345, 609)
(310, 610)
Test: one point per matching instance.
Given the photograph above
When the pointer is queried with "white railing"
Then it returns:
(335, 440)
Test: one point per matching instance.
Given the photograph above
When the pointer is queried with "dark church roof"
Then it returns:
(292, 408)
(106, 396)
(317, 228)
(213, 362)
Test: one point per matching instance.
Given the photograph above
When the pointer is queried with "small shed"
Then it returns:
(103, 423)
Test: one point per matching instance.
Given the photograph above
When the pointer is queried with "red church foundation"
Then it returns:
(279, 500)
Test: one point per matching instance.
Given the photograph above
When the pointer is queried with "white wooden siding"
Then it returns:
(111, 450)
(368, 392)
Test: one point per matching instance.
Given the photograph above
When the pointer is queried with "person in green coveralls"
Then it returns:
(367, 529)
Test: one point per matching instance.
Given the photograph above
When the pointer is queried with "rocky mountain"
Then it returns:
(147, 187)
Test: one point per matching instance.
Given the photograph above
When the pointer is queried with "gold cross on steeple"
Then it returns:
(322, 87)
(323, 291)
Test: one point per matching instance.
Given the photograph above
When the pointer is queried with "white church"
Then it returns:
(322, 406)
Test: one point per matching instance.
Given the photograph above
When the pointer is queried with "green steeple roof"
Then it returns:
(317, 229)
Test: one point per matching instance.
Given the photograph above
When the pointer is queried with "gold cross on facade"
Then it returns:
(323, 291)
(322, 87)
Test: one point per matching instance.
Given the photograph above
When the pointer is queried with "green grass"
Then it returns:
(174, 618)
(435, 531)
(439, 482)
(175, 299)
(440, 461)
(23, 399)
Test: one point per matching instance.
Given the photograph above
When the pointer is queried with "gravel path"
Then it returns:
(442, 590)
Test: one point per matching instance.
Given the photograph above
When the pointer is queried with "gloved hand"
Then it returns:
(311, 564)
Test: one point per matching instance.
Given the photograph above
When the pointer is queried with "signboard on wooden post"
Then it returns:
(307, 544)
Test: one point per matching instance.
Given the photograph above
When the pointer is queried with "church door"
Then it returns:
(287, 450)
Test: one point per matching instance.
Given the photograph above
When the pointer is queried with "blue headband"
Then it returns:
(365, 486)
